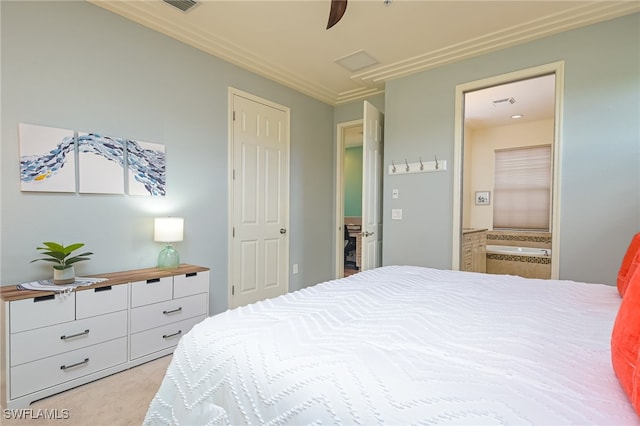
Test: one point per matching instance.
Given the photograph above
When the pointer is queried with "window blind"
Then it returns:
(522, 188)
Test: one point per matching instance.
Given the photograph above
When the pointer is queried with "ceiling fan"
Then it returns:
(338, 7)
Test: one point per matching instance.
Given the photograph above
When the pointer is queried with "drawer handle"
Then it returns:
(173, 311)
(84, 333)
(43, 298)
(153, 280)
(191, 274)
(77, 364)
(106, 288)
(167, 336)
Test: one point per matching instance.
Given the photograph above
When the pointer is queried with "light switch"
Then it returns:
(396, 214)
(395, 193)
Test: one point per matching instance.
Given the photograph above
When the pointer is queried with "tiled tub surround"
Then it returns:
(524, 265)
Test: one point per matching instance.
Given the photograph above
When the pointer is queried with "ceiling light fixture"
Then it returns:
(517, 116)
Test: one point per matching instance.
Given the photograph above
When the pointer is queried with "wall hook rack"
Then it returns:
(419, 167)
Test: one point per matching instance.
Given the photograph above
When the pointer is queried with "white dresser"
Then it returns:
(52, 343)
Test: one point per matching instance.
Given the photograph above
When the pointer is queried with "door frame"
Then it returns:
(339, 191)
(556, 68)
(232, 91)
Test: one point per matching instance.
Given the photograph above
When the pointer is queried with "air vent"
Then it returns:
(356, 61)
(183, 5)
(505, 101)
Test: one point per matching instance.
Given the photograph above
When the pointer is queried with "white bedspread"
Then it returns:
(403, 345)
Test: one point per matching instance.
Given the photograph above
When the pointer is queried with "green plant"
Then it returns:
(59, 254)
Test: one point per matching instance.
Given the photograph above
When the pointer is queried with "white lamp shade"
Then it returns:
(168, 229)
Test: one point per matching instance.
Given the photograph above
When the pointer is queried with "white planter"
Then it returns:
(65, 276)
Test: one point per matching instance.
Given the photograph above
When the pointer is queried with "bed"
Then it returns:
(404, 345)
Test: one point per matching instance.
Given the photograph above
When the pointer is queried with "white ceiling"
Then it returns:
(286, 41)
(533, 99)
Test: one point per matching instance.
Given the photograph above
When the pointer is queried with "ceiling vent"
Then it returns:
(505, 101)
(356, 61)
(183, 5)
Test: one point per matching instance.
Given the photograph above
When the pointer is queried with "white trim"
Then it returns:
(231, 93)
(557, 171)
(556, 68)
(339, 191)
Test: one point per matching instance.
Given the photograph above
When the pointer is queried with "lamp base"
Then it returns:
(168, 257)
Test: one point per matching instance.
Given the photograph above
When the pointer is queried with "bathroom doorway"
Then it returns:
(510, 116)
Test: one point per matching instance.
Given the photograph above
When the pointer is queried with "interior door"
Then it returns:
(371, 187)
(260, 200)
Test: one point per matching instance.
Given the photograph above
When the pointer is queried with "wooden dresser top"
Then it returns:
(11, 292)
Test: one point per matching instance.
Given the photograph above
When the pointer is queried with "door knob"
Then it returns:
(283, 231)
(368, 234)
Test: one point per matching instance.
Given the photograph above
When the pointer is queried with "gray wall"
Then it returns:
(600, 194)
(74, 65)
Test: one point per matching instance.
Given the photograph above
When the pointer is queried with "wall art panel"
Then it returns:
(146, 168)
(47, 159)
(100, 164)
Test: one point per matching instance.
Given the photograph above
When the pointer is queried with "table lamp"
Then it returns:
(168, 230)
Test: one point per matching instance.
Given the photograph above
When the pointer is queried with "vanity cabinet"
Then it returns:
(474, 251)
(54, 342)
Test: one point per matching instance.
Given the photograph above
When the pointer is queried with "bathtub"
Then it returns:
(518, 251)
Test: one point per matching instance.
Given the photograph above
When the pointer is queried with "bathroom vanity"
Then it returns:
(474, 252)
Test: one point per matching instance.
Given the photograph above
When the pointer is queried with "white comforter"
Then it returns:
(403, 345)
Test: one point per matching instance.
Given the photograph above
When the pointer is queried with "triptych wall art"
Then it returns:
(61, 160)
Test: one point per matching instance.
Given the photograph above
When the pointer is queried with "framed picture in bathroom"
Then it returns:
(483, 198)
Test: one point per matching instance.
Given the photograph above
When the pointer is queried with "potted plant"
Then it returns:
(63, 271)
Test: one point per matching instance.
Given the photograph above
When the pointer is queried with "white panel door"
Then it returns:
(260, 200)
(371, 188)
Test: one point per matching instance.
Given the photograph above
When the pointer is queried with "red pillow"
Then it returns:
(624, 274)
(625, 339)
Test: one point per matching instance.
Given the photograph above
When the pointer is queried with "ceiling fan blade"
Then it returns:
(338, 8)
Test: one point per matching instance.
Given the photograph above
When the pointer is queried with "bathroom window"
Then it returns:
(522, 188)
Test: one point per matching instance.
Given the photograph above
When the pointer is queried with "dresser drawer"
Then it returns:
(51, 371)
(35, 344)
(101, 300)
(188, 284)
(150, 316)
(41, 311)
(151, 291)
(157, 339)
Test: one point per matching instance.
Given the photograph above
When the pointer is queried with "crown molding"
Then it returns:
(371, 82)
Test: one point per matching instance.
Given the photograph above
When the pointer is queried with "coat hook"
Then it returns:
(393, 166)
(421, 165)
(407, 164)
(436, 157)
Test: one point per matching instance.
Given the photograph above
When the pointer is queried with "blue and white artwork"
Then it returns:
(146, 168)
(100, 164)
(47, 159)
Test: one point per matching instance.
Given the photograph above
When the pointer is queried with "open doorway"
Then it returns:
(489, 145)
(368, 234)
(349, 164)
